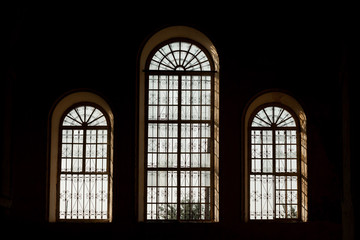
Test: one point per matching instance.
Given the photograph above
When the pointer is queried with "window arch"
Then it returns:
(276, 159)
(80, 179)
(178, 161)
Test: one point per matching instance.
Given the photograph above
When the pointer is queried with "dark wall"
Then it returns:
(56, 49)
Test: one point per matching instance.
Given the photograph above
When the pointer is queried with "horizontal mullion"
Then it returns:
(179, 121)
(272, 128)
(276, 174)
(179, 73)
(85, 173)
(177, 90)
(85, 128)
(181, 105)
(178, 169)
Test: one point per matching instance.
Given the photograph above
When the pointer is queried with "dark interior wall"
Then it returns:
(54, 50)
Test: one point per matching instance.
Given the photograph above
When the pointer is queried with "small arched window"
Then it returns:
(276, 163)
(179, 152)
(84, 175)
(80, 179)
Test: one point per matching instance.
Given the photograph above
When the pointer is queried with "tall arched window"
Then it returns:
(81, 166)
(276, 162)
(180, 133)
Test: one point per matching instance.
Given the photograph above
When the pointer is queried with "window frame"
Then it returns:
(179, 121)
(283, 99)
(83, 172)
(177, 31)
(56, 115)
(273, 129)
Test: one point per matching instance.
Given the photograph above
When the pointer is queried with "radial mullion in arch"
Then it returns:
(280, 112)
(96, 119)
(192, 59)
(79, 114)
(168, 61)
(285, 121)
(172, 52)
(92, 112)
(271, 119)
(72, 118)
(181, 56)
(187, 53)
(262, 120)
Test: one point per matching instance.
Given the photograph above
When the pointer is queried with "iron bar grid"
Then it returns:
(274, 168)
(179, 182)
(84, 168)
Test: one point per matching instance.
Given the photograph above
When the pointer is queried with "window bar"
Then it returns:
(72, 177)
(273, 132)
(200, 126)
(188, 203)
(167, 150)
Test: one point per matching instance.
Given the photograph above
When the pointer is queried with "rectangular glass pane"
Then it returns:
(261, 197)
(83, 196)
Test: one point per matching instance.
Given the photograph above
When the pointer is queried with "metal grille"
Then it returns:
(274, 165)
(84, 179)
(180, 133)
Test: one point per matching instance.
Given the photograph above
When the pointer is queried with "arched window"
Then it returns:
(276, 161)
(180, 133)
(81, 168)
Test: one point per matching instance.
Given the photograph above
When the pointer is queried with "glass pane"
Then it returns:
(261, 197)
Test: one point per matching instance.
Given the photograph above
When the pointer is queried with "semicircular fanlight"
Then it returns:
(273, 116)
(180, 56)
(85, 115)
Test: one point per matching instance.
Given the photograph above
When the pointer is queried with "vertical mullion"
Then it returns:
(83, 170)
(179, 148)
(167, 148)
(261, 173)
(299, 177)
(96, 150)
(262, 151)
(72, 176)
(157, 147)
(212, 148)
(84, 150)
(286, 175)
(77, 188)
(200, 153)
(96, 176)
(261, 196)
(274, 168)
(188, 203)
